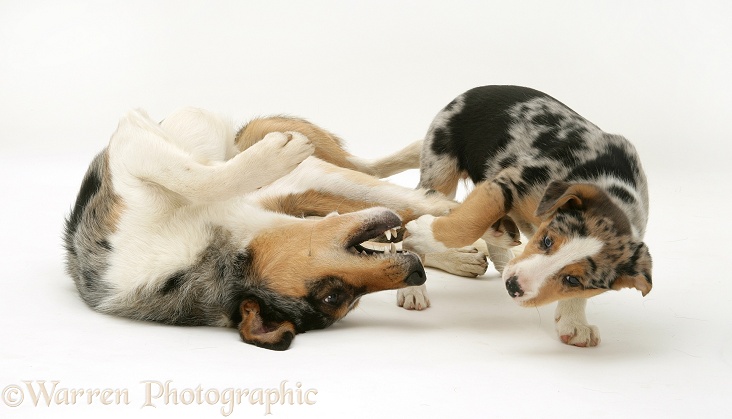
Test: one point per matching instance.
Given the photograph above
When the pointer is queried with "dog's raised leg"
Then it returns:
(143, 150)
(571, 323)
(317, 188)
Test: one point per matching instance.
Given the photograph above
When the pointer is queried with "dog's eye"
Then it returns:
(332, 299)
(546, 242)
(572, 281)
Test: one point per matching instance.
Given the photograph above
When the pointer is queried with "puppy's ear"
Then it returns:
(565, 195)
(636, 273)
(506, 225)
(265, 333)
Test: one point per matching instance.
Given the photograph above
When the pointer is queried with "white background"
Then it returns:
(376, 73)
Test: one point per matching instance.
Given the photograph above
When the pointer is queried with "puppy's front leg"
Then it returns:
(571, 323)
(463, 226)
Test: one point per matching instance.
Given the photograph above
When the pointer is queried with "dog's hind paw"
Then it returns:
(577, 334)
(465, 261)
(413, 298)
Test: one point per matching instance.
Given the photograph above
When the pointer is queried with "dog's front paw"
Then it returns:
(577, 333)
(420, 238)
(465, 261)
(281, 152)
(413, 298)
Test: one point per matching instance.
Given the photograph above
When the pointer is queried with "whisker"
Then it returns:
(339, 205)
(310, 245)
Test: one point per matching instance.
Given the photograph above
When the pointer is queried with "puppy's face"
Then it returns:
(583, 247)
(312, 273)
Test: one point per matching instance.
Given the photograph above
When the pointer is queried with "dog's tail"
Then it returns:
(329, 147)
(404, 159)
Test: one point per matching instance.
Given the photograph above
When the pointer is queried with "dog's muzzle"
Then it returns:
(513, 287)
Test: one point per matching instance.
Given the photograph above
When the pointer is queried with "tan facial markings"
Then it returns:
(540, 272)
(289, 257)
(557, 288)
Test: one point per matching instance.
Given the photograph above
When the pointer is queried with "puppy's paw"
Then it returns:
(465, 261)
(499, 256)
(420, 238)
(573, 332)
(413, 298)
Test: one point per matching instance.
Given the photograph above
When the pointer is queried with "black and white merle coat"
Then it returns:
(578, 193)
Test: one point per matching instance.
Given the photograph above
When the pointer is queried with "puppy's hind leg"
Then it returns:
(439, 173)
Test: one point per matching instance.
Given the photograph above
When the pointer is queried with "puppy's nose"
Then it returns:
(513, 287)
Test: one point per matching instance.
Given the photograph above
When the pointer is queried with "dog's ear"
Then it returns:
(578, 196)
(636, 273)
(262, 332)
(561, 194)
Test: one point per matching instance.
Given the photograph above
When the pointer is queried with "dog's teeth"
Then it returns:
(387, 233)
(394, 231)
(392, 248)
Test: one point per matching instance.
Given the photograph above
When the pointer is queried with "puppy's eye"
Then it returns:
(546, 242)
(572, 281)
(332, 299)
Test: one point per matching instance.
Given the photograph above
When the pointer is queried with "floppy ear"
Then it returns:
(637, 273)
(565, 195)
(265, 333)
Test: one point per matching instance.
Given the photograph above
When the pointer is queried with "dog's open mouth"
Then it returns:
(364, 242)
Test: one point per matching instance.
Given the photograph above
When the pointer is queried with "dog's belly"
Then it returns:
(148, 247)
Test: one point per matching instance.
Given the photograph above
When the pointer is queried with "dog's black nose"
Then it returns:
(512, 285)
(417, 277)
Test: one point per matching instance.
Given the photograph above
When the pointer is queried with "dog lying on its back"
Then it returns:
(578, 193)
(186, 223)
